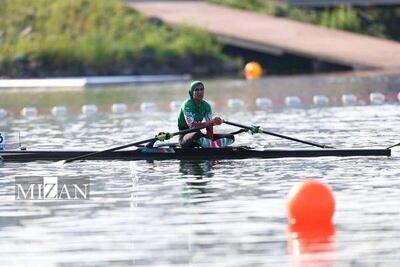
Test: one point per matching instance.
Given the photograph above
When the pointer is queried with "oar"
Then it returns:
(133, 144)
(278, 135)
(393, 146)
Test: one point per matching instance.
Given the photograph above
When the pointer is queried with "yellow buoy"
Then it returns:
(252, 70)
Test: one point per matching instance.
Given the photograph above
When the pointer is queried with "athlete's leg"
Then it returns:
(190, 139)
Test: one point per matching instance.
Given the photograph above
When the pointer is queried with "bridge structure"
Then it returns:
(276, 36)
(330, 3)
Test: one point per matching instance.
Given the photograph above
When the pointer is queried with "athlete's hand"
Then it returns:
(255, 129)
(217, 121)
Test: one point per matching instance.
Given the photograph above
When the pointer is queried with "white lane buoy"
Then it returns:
(148, 107)
(119, 108)
(29, 112)
(59, 111)
(234, 103)
(212, 103)
(349, 100)
(89, 109)
(3, 113)
(320, 100)
(175, 105)
(263, 103)
(377, 98)
(292, 101)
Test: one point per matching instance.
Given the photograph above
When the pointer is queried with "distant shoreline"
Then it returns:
(77, 82)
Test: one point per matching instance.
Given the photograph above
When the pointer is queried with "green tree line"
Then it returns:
(102, 37)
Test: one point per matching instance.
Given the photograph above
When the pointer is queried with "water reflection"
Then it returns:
(313, 245)
(198, 168)
(197, 176)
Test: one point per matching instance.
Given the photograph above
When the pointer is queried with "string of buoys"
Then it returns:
(264, 103)
(293, 101)
(233, 104)
(377, 98)
(59, 111)
(148, 107)
(320, 100)
(89, 109)
(349, 100)
(212, 103)
(119, 108)
(29, 112)
(3, 113)
(175, 105)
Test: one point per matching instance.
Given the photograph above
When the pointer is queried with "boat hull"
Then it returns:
(186, 154)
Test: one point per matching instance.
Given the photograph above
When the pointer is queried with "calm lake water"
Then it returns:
(219, 213)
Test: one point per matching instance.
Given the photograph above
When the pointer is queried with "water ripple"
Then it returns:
(206, 213)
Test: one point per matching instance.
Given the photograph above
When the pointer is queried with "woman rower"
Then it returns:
(192, 113)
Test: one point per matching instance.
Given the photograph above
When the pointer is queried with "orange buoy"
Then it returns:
(252, 70)
(310, 202)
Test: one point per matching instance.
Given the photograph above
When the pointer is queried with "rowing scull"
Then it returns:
(171, 153)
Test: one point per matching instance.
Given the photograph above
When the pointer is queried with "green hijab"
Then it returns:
(193, 86)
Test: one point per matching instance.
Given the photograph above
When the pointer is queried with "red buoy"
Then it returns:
(310, 202)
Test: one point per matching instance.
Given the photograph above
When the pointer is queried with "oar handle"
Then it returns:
(278, 135)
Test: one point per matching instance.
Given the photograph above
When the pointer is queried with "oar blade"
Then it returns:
(59, 163)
